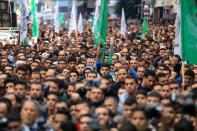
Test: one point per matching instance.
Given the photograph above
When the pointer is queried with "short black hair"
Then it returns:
(65, 112)
(190, 73)
(132, 77)
(21, 82)
(130, 101)
(71, 59)
(13, 115)
(149, 73)
(23, 68)
(154, 94)
(183, 125)
(6, 101)
(128, 127)
(105, 65)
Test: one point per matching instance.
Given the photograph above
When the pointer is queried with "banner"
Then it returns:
(56, 18)
(147, 11)
(24, 19)
(96, 14)
(100, 31)
(80, 24)
(73, 19)
(35, 31)
(189, 30)
(177, 44)
(145, 28)
(123, 27)
(159, 3)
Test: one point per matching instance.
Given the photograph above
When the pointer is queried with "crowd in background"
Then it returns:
(61, 83)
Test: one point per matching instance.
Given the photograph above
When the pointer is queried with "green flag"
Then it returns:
(145, 27)
(35, 31)
(61, 19)
(100, 31)
(189, 30)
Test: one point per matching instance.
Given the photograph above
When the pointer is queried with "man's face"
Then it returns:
(35, 78)
(51, 101)
(61, 55)
(117, 66)
(138, 119)
(14, 126)
(124, 52)
(168, 115)
(33, 54)
(89, 62)
(141, 99)
(96, 95)
(85, 123)
(150, 81)
(133, 64)
(104, 71)
(103, 116)
(91, 76)
(157, 88)
(12, 98)
(195, 70)
(29, 61)
(175, 87)
(122, 74)
(151, 100)
(58, 119)
(36, 91)
(43, 74)
(20, 90)
(53, 87)
(47, 63)
(60, 105)
(2, 79)
(21, 74)
(3, 109)
(73, 77)
(80, 68)
(8, 69)
(111, 105)
(4, 62)
(188, 79)
(165, 91)
(9, 87)
(50, 74)
(82, 109)
(140, 72)
(127, 111)
(104, 84)
(114, 58)
(34, 65)
(61, 65)
(72, 64)
(130, 85)
(29, 113)
(163, 80)
(121, 91)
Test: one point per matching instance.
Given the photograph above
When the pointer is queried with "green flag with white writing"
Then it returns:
(189, 30)
(145, 27)
(100, 31)
(35, 31)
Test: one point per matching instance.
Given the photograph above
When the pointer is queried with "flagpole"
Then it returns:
(183, 73)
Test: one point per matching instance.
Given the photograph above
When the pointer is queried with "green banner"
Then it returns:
(35, 31)
(145, 27)
(100, 31)
(189, 30)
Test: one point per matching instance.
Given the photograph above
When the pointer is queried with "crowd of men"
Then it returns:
(61, 83)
